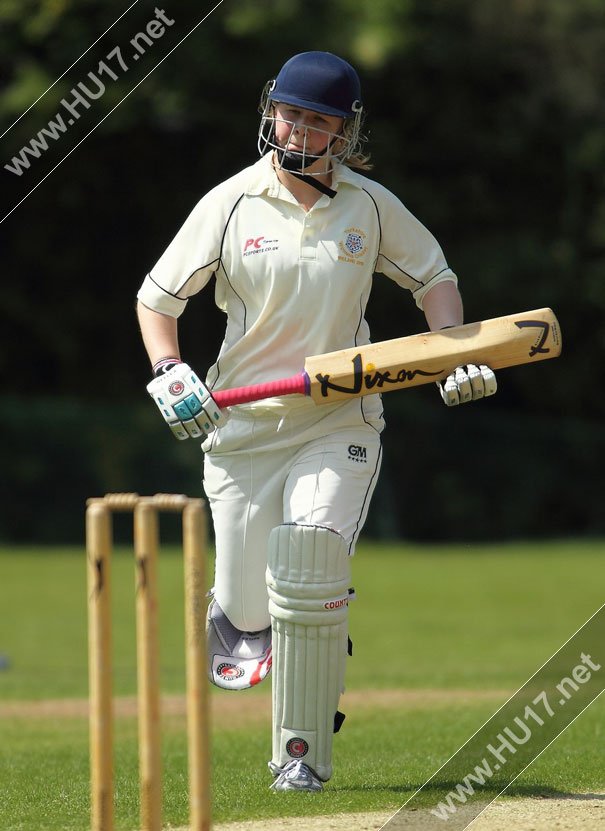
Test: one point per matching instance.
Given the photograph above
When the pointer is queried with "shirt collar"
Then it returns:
(342, 173)
(264, 179)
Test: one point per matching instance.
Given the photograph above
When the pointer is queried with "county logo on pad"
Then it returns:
(229, 671)
(297, 748)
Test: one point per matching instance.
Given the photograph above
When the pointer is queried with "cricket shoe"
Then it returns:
(295, 776)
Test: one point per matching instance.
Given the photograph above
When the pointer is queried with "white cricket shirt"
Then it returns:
(292, 283)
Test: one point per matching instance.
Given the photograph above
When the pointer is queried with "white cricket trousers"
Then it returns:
(317, 466)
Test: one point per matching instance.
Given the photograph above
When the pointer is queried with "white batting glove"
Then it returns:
(185, 402)
(468, 384)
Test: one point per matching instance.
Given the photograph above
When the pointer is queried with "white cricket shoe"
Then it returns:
(295, 776)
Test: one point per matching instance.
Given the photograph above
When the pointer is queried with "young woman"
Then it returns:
(293, 243)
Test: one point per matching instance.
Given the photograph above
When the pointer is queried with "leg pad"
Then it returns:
(236, 660)
(308, 578)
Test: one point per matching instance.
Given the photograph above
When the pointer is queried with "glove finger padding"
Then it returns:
(468, 383)
(463, 382)
(449, 391)
(477, 382)
(186, 403)
(490, 384)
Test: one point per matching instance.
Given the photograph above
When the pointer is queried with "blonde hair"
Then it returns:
(357, 159)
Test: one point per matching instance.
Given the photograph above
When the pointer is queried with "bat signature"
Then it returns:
(538, 348)
(369, 380)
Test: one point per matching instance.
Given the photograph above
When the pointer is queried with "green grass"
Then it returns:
(479, 618)
(379, 764)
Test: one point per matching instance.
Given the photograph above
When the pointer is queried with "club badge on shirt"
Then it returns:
(353, 246)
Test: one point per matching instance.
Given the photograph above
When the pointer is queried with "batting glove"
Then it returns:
(185, 402)
(468, 383)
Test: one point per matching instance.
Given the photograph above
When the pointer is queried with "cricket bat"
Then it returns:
(389, 365)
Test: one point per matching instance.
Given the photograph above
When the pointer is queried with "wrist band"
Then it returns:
(164, 365)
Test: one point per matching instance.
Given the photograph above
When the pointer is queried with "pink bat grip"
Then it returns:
(283, 386)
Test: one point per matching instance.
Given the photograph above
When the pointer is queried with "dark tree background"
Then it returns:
(486, 118)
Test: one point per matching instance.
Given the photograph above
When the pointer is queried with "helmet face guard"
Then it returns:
(320, 82)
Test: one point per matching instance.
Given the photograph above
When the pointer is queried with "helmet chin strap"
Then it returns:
(292, 162)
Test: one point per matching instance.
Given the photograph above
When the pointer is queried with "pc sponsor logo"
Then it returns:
(297, 748)
(259, 245)
(229, 672)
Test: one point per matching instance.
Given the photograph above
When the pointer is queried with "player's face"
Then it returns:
(301, 130)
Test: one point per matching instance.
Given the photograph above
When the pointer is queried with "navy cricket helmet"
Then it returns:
(321, 82)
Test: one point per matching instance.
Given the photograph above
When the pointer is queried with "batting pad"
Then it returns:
(308, 577)
(236, 660)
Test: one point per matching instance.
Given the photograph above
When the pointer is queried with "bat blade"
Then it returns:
(526, 337)
(389, 365)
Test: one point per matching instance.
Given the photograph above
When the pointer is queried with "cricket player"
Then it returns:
(292, 242)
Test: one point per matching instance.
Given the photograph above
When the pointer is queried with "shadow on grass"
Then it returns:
(441, 790)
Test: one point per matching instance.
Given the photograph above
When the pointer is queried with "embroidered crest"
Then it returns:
(353, 246)
(354, 243)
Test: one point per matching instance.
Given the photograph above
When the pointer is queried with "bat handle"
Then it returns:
(282, 386)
